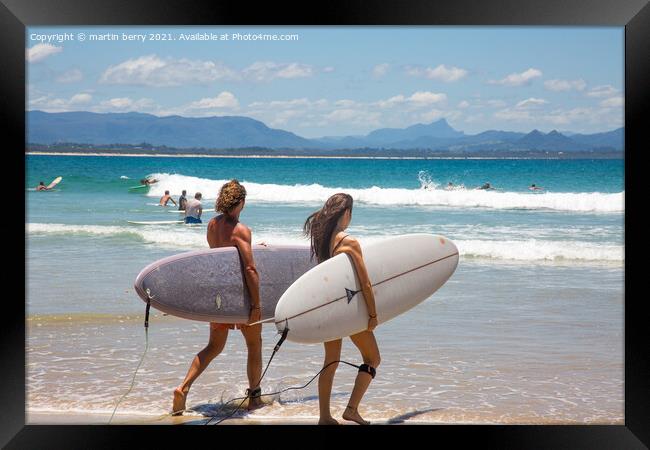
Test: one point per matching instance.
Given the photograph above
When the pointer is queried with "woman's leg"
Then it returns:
(325, 380)
(253, 337)
(217, 341)
(367, 345)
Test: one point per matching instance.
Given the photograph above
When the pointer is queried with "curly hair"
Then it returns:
(320, 226)
(230, 194)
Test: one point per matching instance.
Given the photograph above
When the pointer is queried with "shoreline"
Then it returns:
(102, 418)
(189, 155)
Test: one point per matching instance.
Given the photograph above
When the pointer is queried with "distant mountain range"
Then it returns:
(232, 132)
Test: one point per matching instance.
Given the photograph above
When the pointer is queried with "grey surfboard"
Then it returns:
(209, 285)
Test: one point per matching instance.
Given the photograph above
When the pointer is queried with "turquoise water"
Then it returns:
(528, 329)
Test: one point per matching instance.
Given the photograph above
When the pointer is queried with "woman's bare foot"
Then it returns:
(353, 415)
(179, 402)
(327, 421)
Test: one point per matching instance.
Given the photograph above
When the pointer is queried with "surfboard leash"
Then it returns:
(146, 347)
(277, 392)
(248, 393)
(285, 332)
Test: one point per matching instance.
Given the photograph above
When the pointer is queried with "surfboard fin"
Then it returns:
(350, 294)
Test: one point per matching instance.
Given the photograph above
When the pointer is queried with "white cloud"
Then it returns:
(81, 99)
(225, 100)
(440, 73)
(446, 74)
(152, 70)
(118, 103)
(427, 98)
(518, 79)
(298, 103)
(48, 103)
(602, 91)
(328, 69)
(463, 104)
(418, 99)
(267, 70)
(613, 102)
(122, 104)
(580, 117)
(380, 70)
(531, 103)
(41, 51)
(565, 85)
(70, 76)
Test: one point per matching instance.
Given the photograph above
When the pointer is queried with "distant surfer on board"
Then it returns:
(41, 187)
(148, 181)
(535, 188)
(226, 230)
(167, 198)
(326, 230)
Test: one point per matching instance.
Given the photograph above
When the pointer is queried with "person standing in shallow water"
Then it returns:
(326, 229)
(226, 230)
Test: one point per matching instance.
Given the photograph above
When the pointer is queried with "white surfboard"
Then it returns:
(326, 303)
(54, 182)
(155, 222)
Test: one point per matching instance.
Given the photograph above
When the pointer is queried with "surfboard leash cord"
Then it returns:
(146, 347)
(285, 332)
(275, 350)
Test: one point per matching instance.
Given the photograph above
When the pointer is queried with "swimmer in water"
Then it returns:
(535, 188)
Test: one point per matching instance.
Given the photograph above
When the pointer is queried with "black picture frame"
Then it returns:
(634, 15)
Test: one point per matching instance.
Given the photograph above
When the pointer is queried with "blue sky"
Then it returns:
(334, 81)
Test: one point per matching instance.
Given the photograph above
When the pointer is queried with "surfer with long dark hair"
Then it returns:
(326, 229)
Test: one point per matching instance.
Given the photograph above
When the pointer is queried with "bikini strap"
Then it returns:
(339, 243)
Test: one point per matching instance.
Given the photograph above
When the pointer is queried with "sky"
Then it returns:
(337, 81)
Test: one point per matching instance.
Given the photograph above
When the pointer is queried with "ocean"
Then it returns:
(528, 330)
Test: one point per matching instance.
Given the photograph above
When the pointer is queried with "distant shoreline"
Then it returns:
(189, 155)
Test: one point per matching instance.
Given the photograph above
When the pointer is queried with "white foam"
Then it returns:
(432, 196)
(524, 250)
(538, 250)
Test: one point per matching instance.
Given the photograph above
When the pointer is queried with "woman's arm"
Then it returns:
(351, 247)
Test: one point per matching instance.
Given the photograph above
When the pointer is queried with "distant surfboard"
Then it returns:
(326, 303)
(54, 182)
(209, 285)
(142, 187)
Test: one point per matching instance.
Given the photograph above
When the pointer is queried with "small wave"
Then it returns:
(536, 250)
(511, 250)
(124, 177)
(587, 202)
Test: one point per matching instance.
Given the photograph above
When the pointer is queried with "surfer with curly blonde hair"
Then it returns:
(326, 229)
(225, 230)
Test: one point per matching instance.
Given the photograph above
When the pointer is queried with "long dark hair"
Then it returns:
(320, 225)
